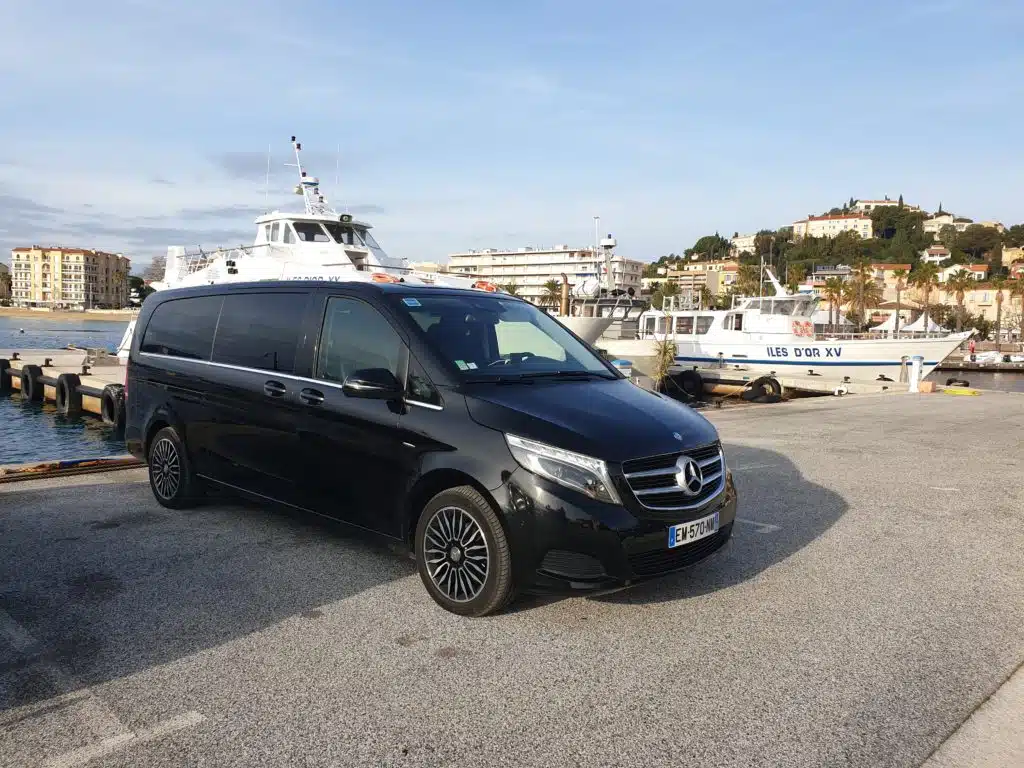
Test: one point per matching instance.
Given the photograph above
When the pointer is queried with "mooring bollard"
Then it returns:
(85, 370)
(916, 364)
(15, 356)
(47, 362)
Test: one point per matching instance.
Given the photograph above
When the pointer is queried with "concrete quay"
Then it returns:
(867, 613)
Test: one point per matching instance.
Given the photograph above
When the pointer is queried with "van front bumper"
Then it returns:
(563, 541)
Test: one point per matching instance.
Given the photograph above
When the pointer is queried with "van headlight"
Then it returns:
(573, 470)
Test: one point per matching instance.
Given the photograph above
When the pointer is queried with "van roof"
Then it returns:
(359, 285)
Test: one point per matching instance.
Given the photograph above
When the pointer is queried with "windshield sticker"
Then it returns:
(412, 302)
(472, 366)
(462, 365)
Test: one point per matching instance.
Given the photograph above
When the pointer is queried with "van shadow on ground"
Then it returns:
(780, 512)
(106, 583)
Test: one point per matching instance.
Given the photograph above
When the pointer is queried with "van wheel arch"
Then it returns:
(155, 427)
(427, 487)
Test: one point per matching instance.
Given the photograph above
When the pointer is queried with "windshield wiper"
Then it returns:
(564, 375)
(498, 380)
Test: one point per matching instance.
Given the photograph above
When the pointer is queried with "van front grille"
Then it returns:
(653, 479)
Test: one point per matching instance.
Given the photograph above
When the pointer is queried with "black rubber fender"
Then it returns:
(753, 392)
(69, 399)
(954, 382)
(31, 386)
(112, 405)
(5, 376)
(690, 382)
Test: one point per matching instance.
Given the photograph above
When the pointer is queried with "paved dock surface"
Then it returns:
(872, 599)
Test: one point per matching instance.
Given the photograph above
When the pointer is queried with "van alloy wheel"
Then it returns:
(165, 468)
(456, 553)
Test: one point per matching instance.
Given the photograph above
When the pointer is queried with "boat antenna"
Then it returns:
(266, 187)
(309, 187)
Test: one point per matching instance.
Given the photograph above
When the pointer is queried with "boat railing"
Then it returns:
(869, 335)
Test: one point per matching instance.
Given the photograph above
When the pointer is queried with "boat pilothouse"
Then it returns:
(776, 335)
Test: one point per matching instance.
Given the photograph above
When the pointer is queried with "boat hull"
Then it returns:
(857, 359)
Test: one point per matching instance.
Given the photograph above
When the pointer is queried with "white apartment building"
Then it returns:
(531, 268)
(830, 226)
(866, 206)
(76, 278)
(935, 223)
(977, 271)
(742, 243)
(935, 254)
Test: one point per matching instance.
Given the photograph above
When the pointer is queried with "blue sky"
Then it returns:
(138, 124)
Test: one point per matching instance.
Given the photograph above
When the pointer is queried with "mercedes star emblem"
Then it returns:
(689, 477)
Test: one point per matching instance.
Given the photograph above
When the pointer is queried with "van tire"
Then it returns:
(171, 477)
(461, 505)
(31, 386)
(69, 399)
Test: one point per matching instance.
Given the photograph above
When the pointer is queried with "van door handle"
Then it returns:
(311, 396)
(274, 389)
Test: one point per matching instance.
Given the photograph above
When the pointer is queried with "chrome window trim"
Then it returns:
(276, 374)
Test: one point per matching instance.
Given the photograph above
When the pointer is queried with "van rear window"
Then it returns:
(183, 327)
(260, 330)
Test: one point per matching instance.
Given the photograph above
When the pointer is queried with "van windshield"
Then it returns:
(488, 337)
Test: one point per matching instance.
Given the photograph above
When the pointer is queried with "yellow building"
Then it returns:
(1011, 255)
(70, 278)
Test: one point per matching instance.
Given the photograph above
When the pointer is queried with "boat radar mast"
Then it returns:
(309, 188)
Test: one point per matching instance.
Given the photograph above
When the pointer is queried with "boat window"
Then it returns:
(753, 304)
(782, 307)
(344, 234)
(266, 232)
(704, 323)
(649, 324)
(289, 233)
(260, 330)
(684, 324)
(275, 231)
(734, 322)
(310, 232)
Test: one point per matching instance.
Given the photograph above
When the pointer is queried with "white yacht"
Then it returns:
(776, 334)
(315, 244)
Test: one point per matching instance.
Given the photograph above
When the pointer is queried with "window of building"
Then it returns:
(183, 328)
(355, 336)
(260, 330)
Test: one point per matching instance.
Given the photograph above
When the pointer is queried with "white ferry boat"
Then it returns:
(775, 334)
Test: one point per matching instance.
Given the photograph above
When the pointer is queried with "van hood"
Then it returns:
(610, 420)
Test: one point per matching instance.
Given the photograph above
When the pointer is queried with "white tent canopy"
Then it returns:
(918, 326)
(820, 317)
(889, 325)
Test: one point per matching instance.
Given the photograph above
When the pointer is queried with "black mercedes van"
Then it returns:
(473, 427)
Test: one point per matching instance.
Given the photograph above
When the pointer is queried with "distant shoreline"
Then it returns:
(120, 316)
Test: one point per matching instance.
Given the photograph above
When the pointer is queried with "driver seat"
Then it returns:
(460, 337)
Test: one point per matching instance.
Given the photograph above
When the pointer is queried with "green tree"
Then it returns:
(925, 278)
(710, 247)
(795, 275)
(1013, 237)
(863, 291)
(958, 284)
(552, 295)
(748, 280)
(834, 293)
(949, 237)
(511, 288)
(901, 284)
(5, 283)
(977, 240)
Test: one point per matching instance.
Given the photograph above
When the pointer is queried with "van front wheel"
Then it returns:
(462, 553)
(170, 473)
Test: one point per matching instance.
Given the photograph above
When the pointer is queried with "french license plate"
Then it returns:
(686, 533)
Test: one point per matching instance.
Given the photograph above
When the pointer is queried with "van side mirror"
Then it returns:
(372, 383)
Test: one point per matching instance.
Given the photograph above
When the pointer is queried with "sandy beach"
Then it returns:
(119, 316)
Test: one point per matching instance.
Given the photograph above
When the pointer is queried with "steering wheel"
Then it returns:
(519, 358)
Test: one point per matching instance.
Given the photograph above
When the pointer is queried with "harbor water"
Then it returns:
(36, 432)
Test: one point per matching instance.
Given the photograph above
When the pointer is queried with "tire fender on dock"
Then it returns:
(31, 386)
(112, 405)
(690, 382)
(764, 389)
(5, 377)
(69, 399)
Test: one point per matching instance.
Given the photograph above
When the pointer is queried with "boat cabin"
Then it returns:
(760, 315)
(317, 235)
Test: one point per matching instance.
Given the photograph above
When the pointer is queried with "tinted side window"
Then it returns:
(418, 386)
(355, 336)
(260, 330)
(183, 327)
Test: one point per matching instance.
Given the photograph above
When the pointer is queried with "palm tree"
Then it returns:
(511, 288)
(863, 291)
(5, 283)
(834, 293)
(925, 278)
(958, 284)
(552, 293)
(119, 282)
(999, 283)
(901, 283)
(748, 280)
(794, 276)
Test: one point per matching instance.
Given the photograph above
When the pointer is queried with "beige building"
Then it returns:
(885, 275)
(5, 273)
(830, 226)
(742, 243)
(977, 271)
(717, 276)
(72, 278)
(1011, 255)
(934, 224)
(531, 268)
(866, 206)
